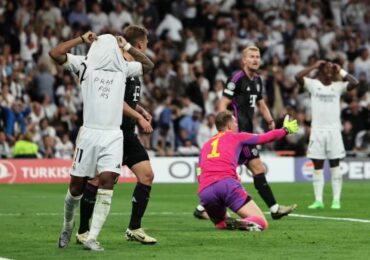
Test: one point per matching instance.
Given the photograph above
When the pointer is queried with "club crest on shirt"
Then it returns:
(254, 151)
(231, 86)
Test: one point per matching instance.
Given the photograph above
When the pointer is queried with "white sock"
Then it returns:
(318, 184)
(200, 208)
(70, 205)
(101, 211)
(274, 208)
(336, 182)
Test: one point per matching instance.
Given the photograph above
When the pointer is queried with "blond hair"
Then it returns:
(250, 48)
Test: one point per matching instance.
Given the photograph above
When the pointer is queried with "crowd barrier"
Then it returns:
(179, 170)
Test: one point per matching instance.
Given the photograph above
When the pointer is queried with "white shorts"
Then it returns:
(326, 144)
(97, 150)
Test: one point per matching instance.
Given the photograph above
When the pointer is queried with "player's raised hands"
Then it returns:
(121, 41)
(319, 63)
(336, 67)
(290, 126)
(89, 37)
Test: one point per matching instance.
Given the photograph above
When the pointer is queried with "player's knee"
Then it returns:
(77, 186)
(76, 190)
(146, 178)
(107, 181)
(257, 169)
(220, 225)
(334, 163)
(261, 221)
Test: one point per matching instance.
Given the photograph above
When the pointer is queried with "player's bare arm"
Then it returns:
(144, 113)
(266, 114)
(352, 81)
(147, 64)
(299, 77)
(132, 113)
(223, 104)
(59, 53)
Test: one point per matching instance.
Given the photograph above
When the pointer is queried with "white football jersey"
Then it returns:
(325, 103)
(102, 75)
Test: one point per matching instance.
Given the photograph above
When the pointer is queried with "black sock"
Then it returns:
(87, 207)
(140, 199)
(263, 188)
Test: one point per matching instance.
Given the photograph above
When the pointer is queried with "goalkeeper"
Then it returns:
(219, 184)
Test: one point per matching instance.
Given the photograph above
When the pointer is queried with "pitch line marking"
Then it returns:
(331, 218)
(164, 213)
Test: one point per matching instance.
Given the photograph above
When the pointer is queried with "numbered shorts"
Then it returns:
(248, 153)
(97, 151)
(226, 193)
(326, 144)
(133, 151)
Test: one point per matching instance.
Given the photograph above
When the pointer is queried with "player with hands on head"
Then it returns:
(219, 184)
(99, 146)
(325, 139)
(134, 154)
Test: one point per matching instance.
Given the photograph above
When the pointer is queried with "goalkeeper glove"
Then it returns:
(291, 127)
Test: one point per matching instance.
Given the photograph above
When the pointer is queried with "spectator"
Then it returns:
(362, 64)
(44, 83)
(48, 41)
(49, 15)
(4, 146)
(97, 19)
(358, 116)
(163, 141)
(305, 45)
(119, 17)
(78, 15)
(363, 142)
(188, 149)
(29, 45)
(170, 28)
(24, 147)
(47, 147)
(189, 107)
(64, 148)
(15, 120)
(348, 136)
(189, 126)
(206, 130)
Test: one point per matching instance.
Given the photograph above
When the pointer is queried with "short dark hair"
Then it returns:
(222, 119)
(134, 33)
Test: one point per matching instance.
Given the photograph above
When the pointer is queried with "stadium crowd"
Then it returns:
(196, 46)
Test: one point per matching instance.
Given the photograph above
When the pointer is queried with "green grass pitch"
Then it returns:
(31, 219)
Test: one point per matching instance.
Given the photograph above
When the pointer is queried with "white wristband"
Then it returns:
(127, 46)
(343, 73)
